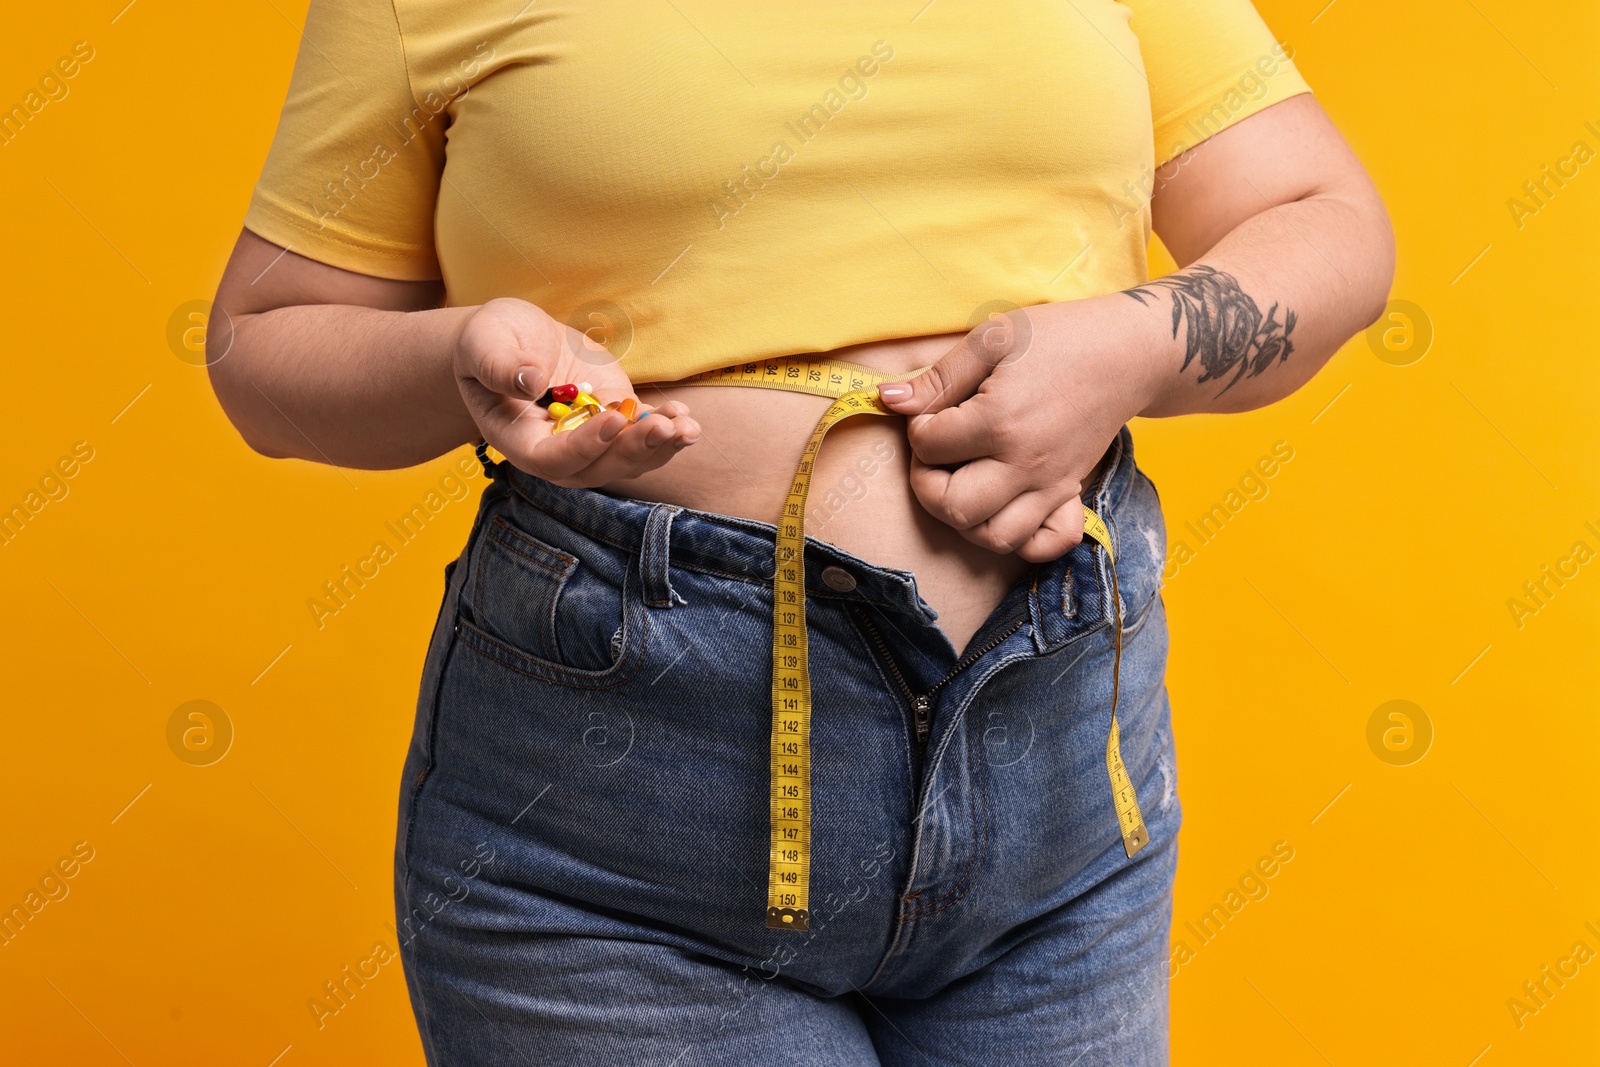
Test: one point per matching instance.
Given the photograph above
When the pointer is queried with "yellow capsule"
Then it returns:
(585, 399)
(558, 410)
(573, 420)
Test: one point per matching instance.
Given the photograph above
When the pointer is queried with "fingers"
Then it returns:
(948, 382)
(1038, 526)
(989, 504)
(501, 360)
(605, 448)
(1060, 533)
(499, 417)
(522, 432)
(979, 427)
(971, 494)
(641, 446)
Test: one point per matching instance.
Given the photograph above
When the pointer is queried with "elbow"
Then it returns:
(1380, 262)
(227, 388)
(228, 370)
(262, 448)
(258, 442)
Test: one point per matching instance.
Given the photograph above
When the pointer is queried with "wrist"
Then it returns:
(458, 332)
(1110, 340)
(451, 330)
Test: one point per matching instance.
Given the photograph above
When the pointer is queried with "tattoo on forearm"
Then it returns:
(1225, 327)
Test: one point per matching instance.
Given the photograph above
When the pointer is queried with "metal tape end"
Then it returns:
(788, 919)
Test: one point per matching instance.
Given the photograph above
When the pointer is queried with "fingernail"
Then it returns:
(609, 431)
(894, 390)
(522, 381)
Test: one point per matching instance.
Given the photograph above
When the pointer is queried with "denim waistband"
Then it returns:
(738, 547)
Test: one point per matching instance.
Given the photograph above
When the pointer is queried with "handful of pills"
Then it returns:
(574, 404)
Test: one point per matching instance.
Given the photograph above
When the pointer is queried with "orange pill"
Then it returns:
(628, 407)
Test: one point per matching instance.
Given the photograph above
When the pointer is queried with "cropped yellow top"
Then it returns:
(706, 182)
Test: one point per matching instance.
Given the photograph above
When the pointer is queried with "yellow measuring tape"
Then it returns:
(853, 388)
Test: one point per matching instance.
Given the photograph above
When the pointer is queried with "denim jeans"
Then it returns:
(581, 862)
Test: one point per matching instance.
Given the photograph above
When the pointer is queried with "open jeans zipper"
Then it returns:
(922, 703)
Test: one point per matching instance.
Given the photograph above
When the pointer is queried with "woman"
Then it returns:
(466, 205)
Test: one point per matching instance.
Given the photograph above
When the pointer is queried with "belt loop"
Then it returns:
(655, 556)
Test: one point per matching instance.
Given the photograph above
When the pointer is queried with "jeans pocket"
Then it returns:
(551, 602)
(546, 603)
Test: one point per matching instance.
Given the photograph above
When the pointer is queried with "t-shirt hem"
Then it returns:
(305, 236)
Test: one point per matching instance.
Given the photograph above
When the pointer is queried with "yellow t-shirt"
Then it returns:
(706, 182)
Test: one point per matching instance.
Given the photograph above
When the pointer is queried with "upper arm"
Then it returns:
(1288, 152)
(261, 276)
(352, 176)
(1236, 130)
(342, 212)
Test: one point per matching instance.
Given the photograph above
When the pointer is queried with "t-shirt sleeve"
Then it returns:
(353, 173)
(1210, 63)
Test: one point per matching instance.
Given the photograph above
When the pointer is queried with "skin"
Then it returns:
(981, 479)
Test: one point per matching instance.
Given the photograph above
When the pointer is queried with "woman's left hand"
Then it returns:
(1007, 425)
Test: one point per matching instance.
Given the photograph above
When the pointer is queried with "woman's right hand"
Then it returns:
(509, 352)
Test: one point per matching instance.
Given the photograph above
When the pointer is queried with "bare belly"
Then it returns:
(861, 498)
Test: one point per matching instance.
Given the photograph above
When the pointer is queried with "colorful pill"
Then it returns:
(585, 387)
(558, 410)
(583, 398)
(564, 393)
(628, 407)
(573, 420)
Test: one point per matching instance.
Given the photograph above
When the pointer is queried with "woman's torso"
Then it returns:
(860, 498)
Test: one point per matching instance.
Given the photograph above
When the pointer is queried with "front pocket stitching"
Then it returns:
(567, 561)
(477, 640)
(547, 624)
(1144, 614)
(555, 673)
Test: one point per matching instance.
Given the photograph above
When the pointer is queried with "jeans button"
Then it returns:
(839, 579)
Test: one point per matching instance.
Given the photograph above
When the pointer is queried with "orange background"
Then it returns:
(1428, 483)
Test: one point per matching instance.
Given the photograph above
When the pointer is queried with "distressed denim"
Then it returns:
(581, 861)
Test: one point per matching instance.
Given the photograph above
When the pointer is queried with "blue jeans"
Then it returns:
(581, 863)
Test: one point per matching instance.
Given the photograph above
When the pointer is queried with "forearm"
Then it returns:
(343, 384)
(1260, 312)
